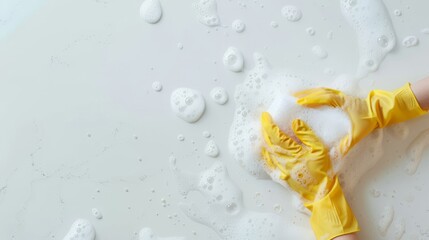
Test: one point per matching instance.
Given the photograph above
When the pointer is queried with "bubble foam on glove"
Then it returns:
(267, 90)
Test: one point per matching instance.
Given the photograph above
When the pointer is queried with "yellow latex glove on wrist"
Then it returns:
(304, 164)
(378, 110)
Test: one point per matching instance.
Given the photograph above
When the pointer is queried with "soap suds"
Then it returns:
(224, 211)
(319, 52)
(211, 149)
(206, 11)
(291, 13)
(219, 95)
(415, 150)
(157, 86)
(238, 26)
(147, 234)
(151, 11)
(374, 31)
(187, 104)
(81, 230)
(233, 59)
(267, 90)
(96, 213)
(410, 41)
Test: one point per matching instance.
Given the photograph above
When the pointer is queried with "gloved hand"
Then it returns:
(378, 110)
(306, 167)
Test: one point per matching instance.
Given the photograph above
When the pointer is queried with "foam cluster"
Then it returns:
(224, 211)
(81, 229)
(187, 104)
(151, 11)
(266, 90)
(206, 11)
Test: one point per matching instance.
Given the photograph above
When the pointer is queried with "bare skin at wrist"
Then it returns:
(421, 91)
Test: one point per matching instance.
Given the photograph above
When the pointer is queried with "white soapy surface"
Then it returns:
(415, 151)
(211, 149)
(374, 31)
(224, 211)
(238, 26)
(219, 95)
(266, 90)
(157, 86)
(151, 11)
(81, 229)
(188, 104)
(96, 213)
(291, 13)
(147, 234)
(386, 219)
(319, 52)
(206, 11)
(233, 59)
(410, 41)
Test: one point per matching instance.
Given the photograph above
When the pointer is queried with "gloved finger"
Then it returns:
(306, 135)
(272, 163)
(276, 138)
(319, 97)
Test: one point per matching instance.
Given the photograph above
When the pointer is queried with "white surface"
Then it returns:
(82, 128)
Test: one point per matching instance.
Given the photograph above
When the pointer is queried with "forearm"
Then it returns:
(347, 237)
(421, 91)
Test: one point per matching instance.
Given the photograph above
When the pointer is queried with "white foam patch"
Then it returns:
(96, 213)
(187, 104)
(224, 211)
(151, 11)
(385, 220)
(233, 59)
(219, 95)
(238, 26)
(415, 150)
(319, 52)
(266, 90)
(410, 41)
(81, 230)
(147, 234)
(211, 149)
(157, 86)
(425, 31)
(206, 11)
(291, 13)
(374, 31)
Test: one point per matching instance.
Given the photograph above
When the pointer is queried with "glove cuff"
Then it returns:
(394, 107)
(332, 216)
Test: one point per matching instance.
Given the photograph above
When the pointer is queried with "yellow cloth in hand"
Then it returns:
(304, 164)
(378, 110)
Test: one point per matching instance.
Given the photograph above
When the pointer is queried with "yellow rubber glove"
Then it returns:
(378, 110)
(304, 164)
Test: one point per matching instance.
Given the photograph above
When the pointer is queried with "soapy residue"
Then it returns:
(224, 211)
(211, 149)
(266, 90)
(147, 234)
(206, 11)
(96, 213)
(81, 229)
(219, 95)
(374, 31)
(238, 26)
(188, 104)
(151, 11)
(291, 13)
(415, 150)
(233, 59)
(410, 41)
(319, 52)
